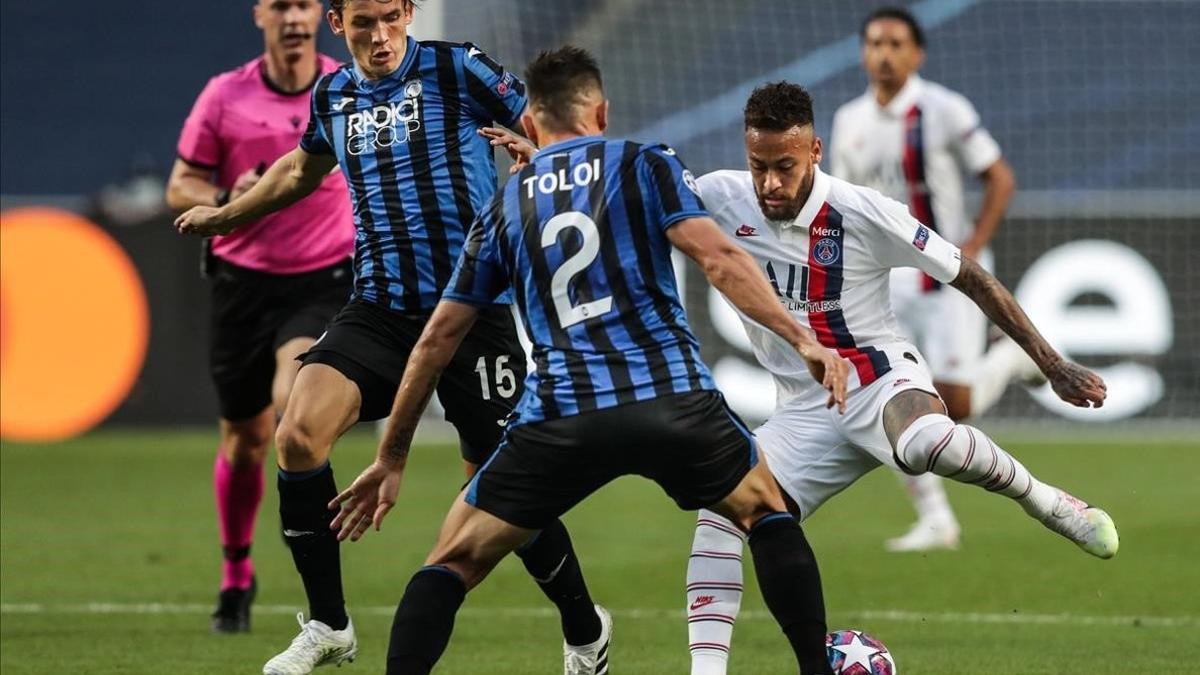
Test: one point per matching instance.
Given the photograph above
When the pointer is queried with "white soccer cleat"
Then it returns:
(316, 645)
(1089, 527)
(926, 535)
(590, 659)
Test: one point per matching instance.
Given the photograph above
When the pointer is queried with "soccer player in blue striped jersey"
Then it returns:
(402, 122)
(582, 235)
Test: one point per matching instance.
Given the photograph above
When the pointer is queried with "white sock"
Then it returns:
(928, 496)
(998, 367)
(714, 592)
(934, 443)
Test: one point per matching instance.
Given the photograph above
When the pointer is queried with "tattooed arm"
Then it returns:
(373, 493)
(1073, 383)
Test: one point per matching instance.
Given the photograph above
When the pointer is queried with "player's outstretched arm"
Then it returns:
(290, 179)
(733, 272)
(1072, 382)
(373, 493)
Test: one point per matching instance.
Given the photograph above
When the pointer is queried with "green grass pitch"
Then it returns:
(125, 519)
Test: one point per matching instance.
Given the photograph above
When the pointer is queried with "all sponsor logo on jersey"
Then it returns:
(791, 285)
(826, 251)
(386, 124)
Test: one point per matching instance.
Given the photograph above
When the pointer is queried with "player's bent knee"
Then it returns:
(757, 496)
(245, 442)
(244, 455)
(471, 568)
(298, 450)
(934, 443)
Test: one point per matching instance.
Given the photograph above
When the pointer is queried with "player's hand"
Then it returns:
(1076, 385)
(367, 501)
(202, 220)
(243, 183)
(519, 149)
(830, 370)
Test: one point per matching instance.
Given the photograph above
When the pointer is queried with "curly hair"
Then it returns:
(778, 106)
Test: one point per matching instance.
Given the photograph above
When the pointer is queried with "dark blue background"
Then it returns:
(1081, 95)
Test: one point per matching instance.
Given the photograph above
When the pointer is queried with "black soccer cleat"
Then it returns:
(233, 609)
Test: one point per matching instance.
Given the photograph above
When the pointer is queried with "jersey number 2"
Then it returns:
(568, 314)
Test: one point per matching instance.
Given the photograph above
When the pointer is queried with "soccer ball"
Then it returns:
(853, 652)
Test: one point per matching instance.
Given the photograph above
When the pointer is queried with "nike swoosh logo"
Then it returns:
(342, 104)
(296, 533)
(553, 573)
(474, 51)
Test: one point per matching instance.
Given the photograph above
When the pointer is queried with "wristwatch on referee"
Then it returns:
(223, 197)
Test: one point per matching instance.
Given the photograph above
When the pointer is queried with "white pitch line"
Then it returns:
(635, 613)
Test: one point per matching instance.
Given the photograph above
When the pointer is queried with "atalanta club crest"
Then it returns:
(827, 251)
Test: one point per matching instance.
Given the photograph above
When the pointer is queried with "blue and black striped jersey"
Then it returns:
(580, 236)
(417, 170)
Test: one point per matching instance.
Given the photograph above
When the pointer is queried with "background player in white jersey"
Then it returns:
(828, 248)
(913, 140)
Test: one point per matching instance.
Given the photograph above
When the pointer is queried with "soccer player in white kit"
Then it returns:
(913, 140)
(828, 247)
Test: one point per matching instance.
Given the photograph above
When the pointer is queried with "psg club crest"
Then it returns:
(827, 251)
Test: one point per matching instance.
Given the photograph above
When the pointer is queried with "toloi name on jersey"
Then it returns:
(563, 180)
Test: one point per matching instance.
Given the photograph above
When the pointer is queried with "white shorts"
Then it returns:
(947, 326)
(815, 453)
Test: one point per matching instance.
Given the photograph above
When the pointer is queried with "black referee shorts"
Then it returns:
(253, 315)
(370, 344)
(691, 444)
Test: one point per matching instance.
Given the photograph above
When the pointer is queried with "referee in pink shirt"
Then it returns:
(275, 281)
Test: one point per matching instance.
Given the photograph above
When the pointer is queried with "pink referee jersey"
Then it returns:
(240, 121)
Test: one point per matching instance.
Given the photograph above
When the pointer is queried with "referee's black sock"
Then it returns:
(791, 585)
(303, 500)
(550, 560)
(424, 621)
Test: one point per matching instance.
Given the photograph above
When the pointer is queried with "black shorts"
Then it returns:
(253, 315)
(370, 345)
(691, 444)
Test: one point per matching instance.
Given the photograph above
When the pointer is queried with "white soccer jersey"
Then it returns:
(915, 150)
(830, 268)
